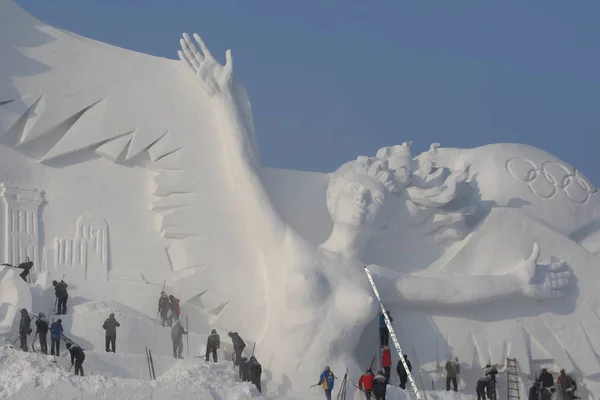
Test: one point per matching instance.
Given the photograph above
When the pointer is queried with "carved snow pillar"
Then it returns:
(19, 223)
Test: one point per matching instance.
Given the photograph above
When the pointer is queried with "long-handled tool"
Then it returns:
(187, 329)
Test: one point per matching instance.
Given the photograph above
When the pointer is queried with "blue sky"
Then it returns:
(330, 80)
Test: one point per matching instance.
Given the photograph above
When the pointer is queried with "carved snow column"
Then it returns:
(19, 221)
(87, 254)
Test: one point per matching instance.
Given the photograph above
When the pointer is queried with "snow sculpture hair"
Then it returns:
(425, 187)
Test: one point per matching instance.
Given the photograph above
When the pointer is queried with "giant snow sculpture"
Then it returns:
(482, 253)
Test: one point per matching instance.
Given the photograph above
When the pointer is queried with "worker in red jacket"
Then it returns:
(386, 363)
(365, 383)
(175, 310)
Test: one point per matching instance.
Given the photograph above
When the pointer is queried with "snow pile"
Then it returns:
(125, 377)
(34, 376)
(14, 295)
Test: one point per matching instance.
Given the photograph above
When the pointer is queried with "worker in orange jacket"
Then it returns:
(365, 383)
(386, 363)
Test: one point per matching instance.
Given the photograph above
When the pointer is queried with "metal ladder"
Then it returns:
(512, 379)
(388, 323)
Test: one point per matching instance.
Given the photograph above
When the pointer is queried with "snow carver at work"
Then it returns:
(26, 267)
(77, 357)
(546, 384)
(60, 290)
(244, 372)
(213, 342)
(379, 386)
(110, 326)
(327, 379)
(56, 331)
(533, 391)
(483, 387)
(255, 372)
(42, 330)
(491, 372)
(238, 346)
(24, 329)
(177, 333)
(566, 385)
(384, 333)
(175, 310)
(402, 374)
(365, 383)
(163, 308)
(452, 373)
(386, 363)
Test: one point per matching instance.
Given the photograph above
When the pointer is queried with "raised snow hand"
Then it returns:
(213, 77)
(543, 281)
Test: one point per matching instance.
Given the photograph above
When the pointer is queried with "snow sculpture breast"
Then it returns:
(499, 241)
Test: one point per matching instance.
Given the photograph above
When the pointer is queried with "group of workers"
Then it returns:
(250, 369)
(168, 309)
(543, 388)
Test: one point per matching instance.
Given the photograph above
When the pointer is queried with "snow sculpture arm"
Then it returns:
(236, 130)
(476, 289)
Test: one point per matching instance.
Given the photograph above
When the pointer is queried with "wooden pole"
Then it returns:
(188, 336)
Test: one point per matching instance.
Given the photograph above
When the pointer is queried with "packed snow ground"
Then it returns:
(34, 376)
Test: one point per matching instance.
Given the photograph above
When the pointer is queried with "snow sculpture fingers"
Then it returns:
(556, 280)
(543, 281)
(212, 76)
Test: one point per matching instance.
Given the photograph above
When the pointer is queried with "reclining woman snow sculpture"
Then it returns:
(319, 299)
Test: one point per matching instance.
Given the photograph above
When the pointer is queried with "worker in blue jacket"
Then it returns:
(384, 333)
(56, 331)
(327, 380)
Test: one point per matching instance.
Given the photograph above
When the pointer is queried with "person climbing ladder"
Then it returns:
(384, 333)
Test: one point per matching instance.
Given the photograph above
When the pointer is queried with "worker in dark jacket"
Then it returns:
(534, 391)
(384, 333)
(402, 374)
(238, 346)
(244, 369)
(77, 357)
(380, 386)
(255, 371)
(26, 267)
(491, 372)
(42, 332)
(546, 379)
(163, 308)
(566, 385)
(110, 326)
(212, 344)
(483, 386)
(24, 328)
(177, 333)
(60, 290)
